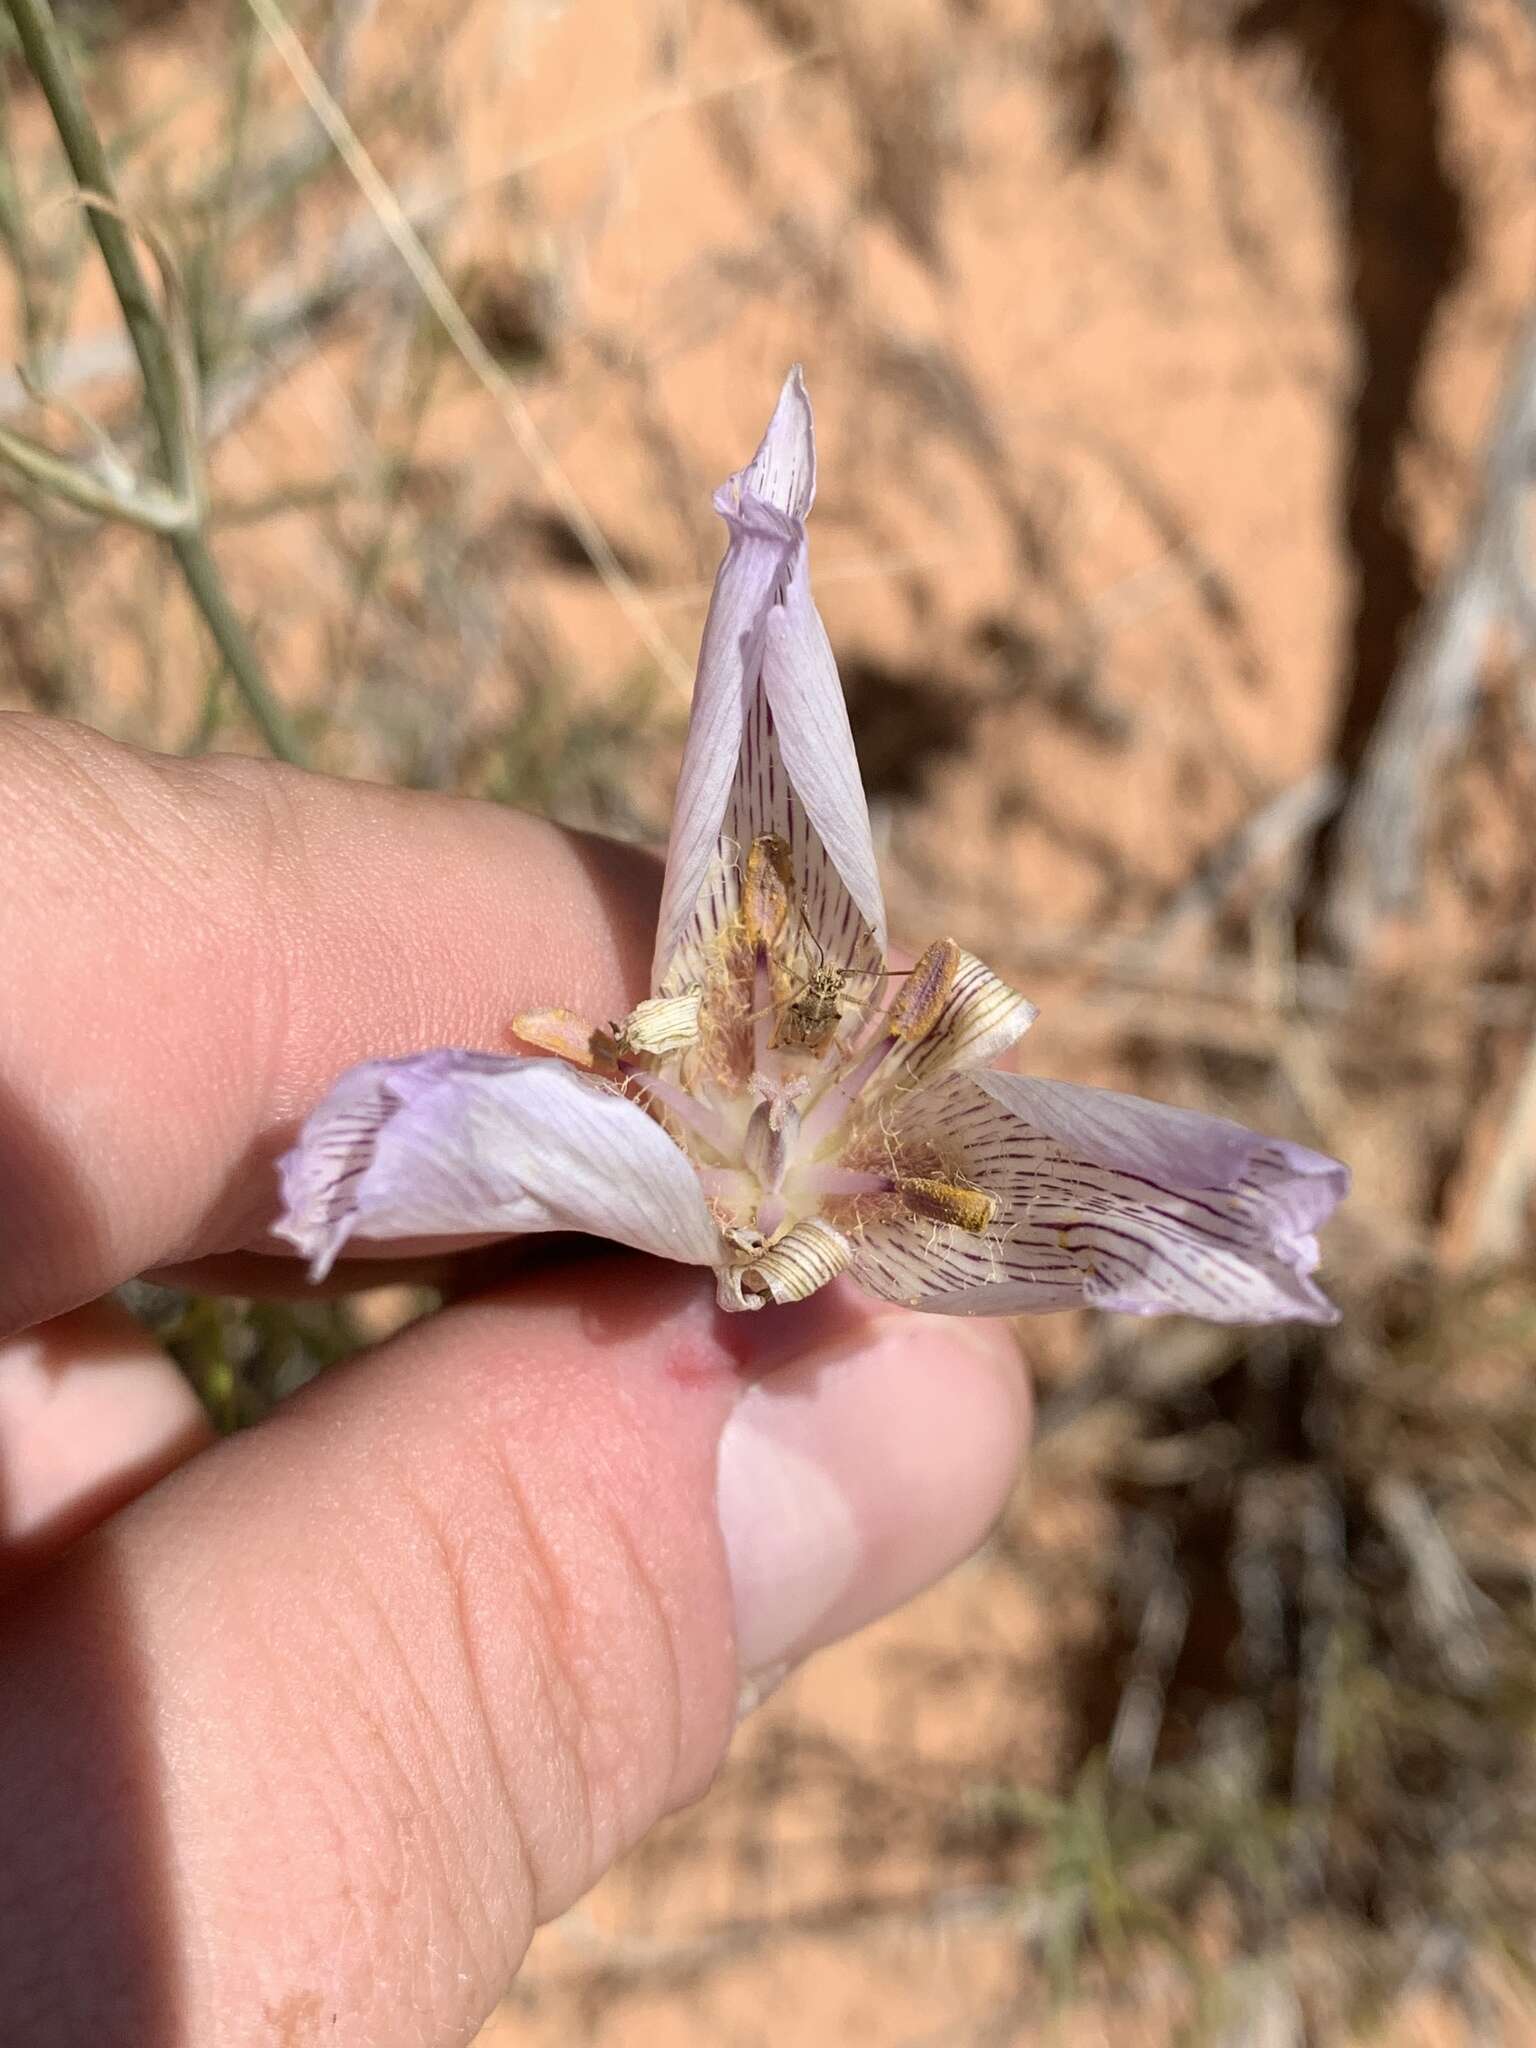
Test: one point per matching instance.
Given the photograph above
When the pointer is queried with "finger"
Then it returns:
(195, 949)
(92, 1412)
(313, 1735)
(272, 1276)
(475, 1268)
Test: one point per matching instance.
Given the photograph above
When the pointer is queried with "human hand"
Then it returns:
(302, 1744)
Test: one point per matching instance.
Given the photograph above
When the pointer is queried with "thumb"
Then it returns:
(304, 1744)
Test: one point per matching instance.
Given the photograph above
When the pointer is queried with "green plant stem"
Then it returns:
(150, 507)
(212, 599)
(43, 47)
(14, 231)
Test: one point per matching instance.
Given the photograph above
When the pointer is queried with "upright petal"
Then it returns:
(809, 716)
(465, 1144)
(1110, 1201)
(783, 471)
(769, 747)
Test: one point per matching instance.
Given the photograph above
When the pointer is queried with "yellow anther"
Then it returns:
(917, 1009)
(942, 1201)
(765, 891)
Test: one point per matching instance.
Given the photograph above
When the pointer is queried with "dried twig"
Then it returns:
(169, 385)
(1261, 2008)
(1378, 855)
(1160, 1634)
(1314, 1756)
(1447, 1605)
(1498, 1226)
(1273, 829)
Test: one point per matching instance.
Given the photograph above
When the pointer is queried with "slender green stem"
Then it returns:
(234, 643)
(148, 506)
(14, 231)
(43, 47)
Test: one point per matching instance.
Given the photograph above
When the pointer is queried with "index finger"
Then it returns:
(195, 949)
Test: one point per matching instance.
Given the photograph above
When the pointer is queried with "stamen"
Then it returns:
(840, 1097)
(568, 1036)
(695, 1116)
(942, 1201)
(819, 1182)
(803, 1260)
(765, 892)
(916, 1010)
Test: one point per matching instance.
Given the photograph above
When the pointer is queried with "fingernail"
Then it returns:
(856, 1470)
(790, 1536)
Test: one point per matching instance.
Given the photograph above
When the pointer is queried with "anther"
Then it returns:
(942, 1201)
(765, 891)
(917, 1009)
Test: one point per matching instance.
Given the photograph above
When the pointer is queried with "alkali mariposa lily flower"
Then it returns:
(783, 1110)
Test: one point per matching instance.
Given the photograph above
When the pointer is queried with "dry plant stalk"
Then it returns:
(1381, 829)
(179, 512)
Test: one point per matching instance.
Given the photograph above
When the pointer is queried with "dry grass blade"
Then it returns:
(456, 324)
(1448, 1606)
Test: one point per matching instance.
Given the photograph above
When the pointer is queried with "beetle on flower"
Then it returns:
(782, 1108)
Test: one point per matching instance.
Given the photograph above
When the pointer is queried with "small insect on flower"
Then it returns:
(812, 1016)
(783, 1107)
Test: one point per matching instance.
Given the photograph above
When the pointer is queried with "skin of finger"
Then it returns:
(92, 1411)
(312, 1736)
(195, 950)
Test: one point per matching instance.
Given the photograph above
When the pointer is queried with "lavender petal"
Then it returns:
(1109, 1201)
(465, 1144)
(769, 748)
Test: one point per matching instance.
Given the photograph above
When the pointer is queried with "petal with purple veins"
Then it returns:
(783, 471)
(464, 1144)
(1300, 1188)
(769, 749)
(828, 811)
(979, 1019)
(945, 1271)
(1110, 1201)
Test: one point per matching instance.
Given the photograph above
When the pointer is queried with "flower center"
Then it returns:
(789, 1088)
